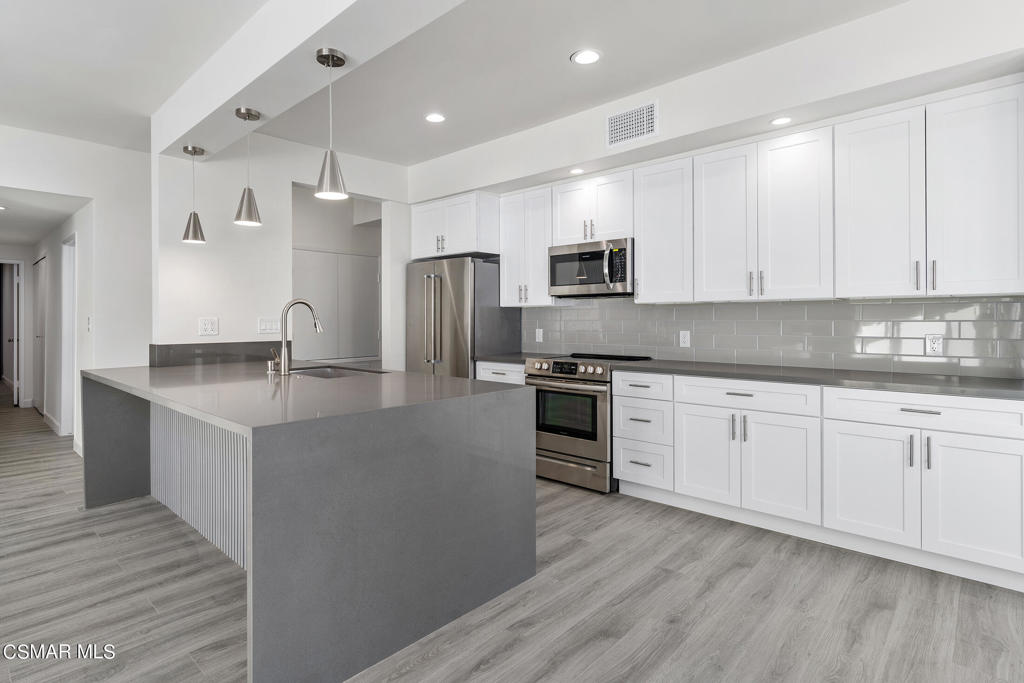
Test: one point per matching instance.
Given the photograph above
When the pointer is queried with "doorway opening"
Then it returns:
(11, 307)
(68, 336)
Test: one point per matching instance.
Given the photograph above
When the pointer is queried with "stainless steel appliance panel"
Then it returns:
(591, 269)
(454, 282)
(591, 474)
(419, 317)
(573, 418)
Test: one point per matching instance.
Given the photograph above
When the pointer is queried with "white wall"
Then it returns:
(395, 254)
(330, 226)
(240, 274)
(887, 56)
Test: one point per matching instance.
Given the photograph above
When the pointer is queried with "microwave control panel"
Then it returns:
(617, 265)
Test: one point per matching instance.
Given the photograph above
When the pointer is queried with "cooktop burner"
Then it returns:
(607, 356)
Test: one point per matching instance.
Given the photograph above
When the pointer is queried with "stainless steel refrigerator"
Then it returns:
(452, 316)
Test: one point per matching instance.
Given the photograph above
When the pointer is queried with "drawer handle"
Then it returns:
(496, 372)
(641, 386)
(738, 393)
(928, 452)
(640, 462)
(921, 411)
(639, 419)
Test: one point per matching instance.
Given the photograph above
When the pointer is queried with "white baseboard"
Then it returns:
(25, 403)
(841, 539)
(51, 423)
(7, 380)
(76, 445)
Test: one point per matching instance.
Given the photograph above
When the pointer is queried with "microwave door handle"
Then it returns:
(607, 275)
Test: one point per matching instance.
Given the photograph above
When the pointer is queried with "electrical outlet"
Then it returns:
(684, 339)
(268, 326)
(209, 327)
(540, 334)
(933, 345)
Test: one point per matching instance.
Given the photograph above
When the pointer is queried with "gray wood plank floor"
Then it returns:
(626, 590)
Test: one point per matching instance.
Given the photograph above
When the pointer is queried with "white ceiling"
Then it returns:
(96, 69)
(29, 216)
(494, 67)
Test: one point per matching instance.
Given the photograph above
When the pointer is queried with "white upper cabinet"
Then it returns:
(461, 224)
(794, 216)
(593, 209)
(976, 193)
(880, 205)
(525, 234)
(663, 248)
(725, 224)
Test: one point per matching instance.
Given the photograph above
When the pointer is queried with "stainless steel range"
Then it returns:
(574, 418)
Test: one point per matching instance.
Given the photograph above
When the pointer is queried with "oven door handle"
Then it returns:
(566, 463)
(568, 386)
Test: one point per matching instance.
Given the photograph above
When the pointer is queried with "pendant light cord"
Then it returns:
(248, 155)
(193, 183)
(330, 108)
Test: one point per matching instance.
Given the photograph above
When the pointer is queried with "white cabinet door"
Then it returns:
(725, 224)
(794, 216)
(427, 226)
(707, 453)
(613, 206)
(972, 505)
(511, 226)
(460, 225)
(537, 239)
(663, 223)
(976, 193)
(879, 205)
(782, 465)
(572, 211)
(872, 481)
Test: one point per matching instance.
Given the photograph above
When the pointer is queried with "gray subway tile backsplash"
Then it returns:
(983, 336)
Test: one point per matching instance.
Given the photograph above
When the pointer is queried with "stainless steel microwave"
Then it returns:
(591, 269)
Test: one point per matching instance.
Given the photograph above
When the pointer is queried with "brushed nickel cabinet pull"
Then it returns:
(498, 372)
(738, 393)
(935, 274)
(921, 411)
(437, 243)
(750, 283)
(520, 294)
(639, 419)
(911, 450)
(744, 427)
(526, 293)
(641, 386)
(761, 278)
(584, 228)
(591, 228)
(928, 452)
(640, 462)
(917, 275)
(732, 421)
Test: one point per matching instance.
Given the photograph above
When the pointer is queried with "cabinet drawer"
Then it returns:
(773, 397)
(642, 385)
(642, 419)
(642, 463)
(988, 416)
(501, 372)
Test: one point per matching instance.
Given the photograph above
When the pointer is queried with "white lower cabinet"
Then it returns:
(642, 463)
(971, 498)
(508, 373)
(781, 465)
(872, 481)
(707, 453)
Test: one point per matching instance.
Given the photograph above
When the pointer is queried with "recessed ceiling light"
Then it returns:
(781, 121)
(576, 171)
(434, 117)
(586, 56)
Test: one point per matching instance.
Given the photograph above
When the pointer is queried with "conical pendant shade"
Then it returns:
(247, 214)
(330, 185)
(193, 230)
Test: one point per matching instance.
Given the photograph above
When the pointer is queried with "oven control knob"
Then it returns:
(544, 366)
(599, 370)
(536, 366)
(590, 368)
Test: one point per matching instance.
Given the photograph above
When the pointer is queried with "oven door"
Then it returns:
(594, 268)
(573, 418)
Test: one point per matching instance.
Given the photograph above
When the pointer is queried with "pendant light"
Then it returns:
(247, 214)
(331, 185)
(193, 228)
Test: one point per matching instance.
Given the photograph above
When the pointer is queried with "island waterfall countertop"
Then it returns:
(242, 396)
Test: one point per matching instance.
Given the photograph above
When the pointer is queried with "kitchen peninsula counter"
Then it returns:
(367, 510)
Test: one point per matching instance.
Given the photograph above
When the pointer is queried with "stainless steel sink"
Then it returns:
(332, 371)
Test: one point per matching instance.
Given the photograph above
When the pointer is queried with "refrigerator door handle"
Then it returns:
(428, 334)
(435, 320)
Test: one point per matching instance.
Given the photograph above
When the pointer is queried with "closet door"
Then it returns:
(315, 277)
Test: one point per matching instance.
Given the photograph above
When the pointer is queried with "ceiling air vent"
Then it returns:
(634, 124)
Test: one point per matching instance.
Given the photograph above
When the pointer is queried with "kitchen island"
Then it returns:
(368, 510)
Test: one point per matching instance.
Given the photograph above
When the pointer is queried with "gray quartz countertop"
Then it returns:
(515, 358)
(241, 396)
(950, 385)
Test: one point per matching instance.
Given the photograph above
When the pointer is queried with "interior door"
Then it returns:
(453, 327)
(16, 377)
(972, 503)
(537, 233)
(794, 216)
(39, 342)
(663, 201)
(511, 226)
(880, 215)
(358, 306)
(782, 465)
(707, 453)
(315, 277)
(976, 193)
(872, 481)
(725, 225)
(420, 314)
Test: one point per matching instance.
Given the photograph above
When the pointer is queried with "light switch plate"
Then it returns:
(540, 334)
(268, 326)
(209, 327)
(684, 339)
(933, 345)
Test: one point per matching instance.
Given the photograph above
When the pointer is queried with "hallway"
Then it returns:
(133, 574)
